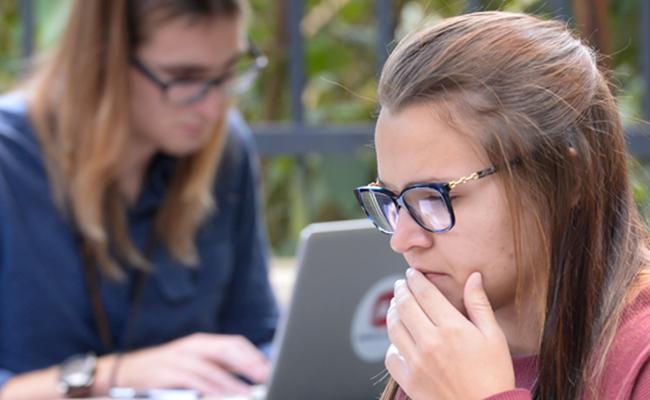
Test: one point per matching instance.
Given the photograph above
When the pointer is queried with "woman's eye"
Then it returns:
(188, 79)
(226, 76)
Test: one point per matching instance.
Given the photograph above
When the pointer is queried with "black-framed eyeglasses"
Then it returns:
(184, 91)
(429, 204)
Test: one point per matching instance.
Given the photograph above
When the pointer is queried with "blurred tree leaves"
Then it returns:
(9, 41)
(340, 84)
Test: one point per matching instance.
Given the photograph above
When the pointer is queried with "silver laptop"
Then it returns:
(332, 340)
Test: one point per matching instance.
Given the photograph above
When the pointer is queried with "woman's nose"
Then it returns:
(408, 234)
(210, 105)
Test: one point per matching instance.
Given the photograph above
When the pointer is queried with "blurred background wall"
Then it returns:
(312, 109)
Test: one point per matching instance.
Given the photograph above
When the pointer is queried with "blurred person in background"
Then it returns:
(132, 248)
(503, 181)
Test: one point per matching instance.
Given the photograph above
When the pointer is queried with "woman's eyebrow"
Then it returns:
(197, 69)
(183, 69)
(411, 183)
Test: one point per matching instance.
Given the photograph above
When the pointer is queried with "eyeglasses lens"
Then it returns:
(428, 207)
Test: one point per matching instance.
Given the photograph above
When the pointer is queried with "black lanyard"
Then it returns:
(92, 277)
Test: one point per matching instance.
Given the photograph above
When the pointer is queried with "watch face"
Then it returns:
(77, 372)
(77, 379)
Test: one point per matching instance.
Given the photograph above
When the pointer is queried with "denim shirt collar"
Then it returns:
(158, 178)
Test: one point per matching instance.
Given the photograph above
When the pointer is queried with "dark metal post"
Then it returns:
(473, 5)
(27, 22)
(296, 60)
(645, 54)
(561, 9)
(297, 81)
(384, 31)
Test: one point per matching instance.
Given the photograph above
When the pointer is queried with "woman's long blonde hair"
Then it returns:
(531, 91)
(80, 109)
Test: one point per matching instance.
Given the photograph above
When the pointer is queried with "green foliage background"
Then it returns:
(341, 79)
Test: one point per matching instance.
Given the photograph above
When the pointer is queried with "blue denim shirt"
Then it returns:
(45, 311)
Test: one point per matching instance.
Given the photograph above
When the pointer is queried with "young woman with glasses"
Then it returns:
(502, 179)
(132, 251)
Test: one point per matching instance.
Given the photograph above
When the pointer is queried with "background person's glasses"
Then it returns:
(184, 91)
(429, 204)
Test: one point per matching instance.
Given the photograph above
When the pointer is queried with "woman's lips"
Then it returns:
(435, 277)
(193, 130)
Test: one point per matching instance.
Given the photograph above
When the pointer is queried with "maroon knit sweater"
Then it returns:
(627, 368)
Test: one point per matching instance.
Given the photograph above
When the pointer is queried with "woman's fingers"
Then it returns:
(236, 354)
(398, 334)
(202, 374)
(478, 306)
(410, 314)
(209, 363)
(435, 348)
(434, 304)
(396, 365)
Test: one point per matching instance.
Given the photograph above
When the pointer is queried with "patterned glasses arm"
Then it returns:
(475, 176)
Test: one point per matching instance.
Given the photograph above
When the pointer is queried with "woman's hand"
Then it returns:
(204, 362)
(438, 353)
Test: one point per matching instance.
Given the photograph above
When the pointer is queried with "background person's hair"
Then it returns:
(528, 89)
(80, 108)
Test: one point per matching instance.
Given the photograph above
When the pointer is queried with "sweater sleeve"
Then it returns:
(641, 388)
(626, 374)
(515, 394)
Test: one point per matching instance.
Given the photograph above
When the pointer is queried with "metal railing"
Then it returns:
(296, 137)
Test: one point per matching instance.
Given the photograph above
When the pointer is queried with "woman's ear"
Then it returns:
(573, 152)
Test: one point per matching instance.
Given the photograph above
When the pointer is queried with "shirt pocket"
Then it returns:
(174, 281)
(178, 283)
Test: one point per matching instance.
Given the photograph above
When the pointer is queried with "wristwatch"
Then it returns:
(77, 374)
